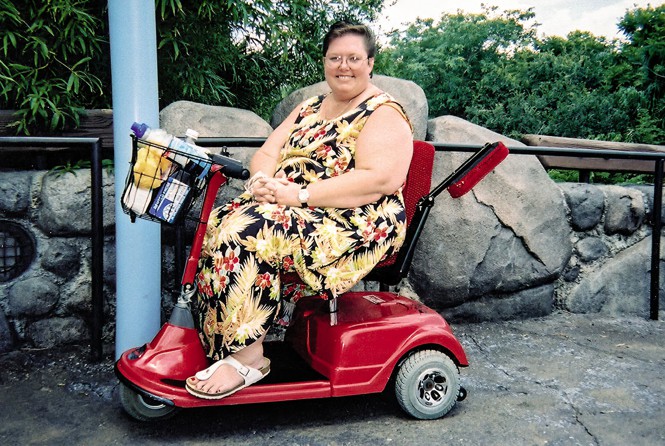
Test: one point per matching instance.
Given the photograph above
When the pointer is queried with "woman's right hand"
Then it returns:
(264, 188)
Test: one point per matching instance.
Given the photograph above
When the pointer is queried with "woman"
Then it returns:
(324, 200)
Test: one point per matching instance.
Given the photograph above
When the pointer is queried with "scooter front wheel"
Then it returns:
(143, 408)
(427, 384)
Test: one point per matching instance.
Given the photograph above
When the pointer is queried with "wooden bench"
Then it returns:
(586, 164)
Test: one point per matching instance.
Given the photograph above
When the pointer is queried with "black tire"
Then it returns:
(427, 384)
(143, 408)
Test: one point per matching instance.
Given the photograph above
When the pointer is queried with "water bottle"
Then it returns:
(155, 136)
(160, 137)
(191, 136)
(191, 157)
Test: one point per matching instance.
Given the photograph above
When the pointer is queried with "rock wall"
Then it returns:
(50, 302)
(611, 264)
(518, 245)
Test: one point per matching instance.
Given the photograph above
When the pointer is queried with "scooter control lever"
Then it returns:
(232, 168)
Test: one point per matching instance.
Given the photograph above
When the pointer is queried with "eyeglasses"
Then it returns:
(351, 61)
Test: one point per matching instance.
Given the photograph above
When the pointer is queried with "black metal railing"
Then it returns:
(97, 211)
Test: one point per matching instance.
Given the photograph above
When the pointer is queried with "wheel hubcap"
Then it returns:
(149, 403)
(432, 388)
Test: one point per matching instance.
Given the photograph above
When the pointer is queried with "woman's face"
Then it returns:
(346, 78)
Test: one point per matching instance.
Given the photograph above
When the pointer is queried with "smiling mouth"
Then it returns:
(344, 77)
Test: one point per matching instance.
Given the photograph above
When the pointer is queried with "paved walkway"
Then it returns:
(560, 380)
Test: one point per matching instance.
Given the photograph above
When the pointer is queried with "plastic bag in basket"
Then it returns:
(150, 168)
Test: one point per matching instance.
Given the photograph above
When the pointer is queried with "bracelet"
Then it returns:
(249, 184)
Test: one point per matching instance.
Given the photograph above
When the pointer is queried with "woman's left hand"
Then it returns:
(284, 191)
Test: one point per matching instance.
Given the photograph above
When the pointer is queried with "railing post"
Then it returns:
(97, 251)
(655, 238)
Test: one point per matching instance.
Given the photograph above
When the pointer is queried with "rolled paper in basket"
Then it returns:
(137, 199)
(497, 154)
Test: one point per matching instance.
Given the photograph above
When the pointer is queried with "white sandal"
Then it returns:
(250, 376)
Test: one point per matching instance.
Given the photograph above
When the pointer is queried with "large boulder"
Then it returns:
(407, 93)
(212, 120)
(492, 245)
(216, 121)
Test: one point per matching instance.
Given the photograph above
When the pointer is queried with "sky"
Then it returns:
(557, 17)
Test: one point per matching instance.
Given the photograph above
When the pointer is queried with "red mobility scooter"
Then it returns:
(359, 343)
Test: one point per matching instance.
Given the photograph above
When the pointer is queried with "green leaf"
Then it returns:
(73, 79)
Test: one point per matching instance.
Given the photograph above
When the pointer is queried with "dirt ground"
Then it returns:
(560, 380)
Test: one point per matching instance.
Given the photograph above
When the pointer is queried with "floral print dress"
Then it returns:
(248, 245)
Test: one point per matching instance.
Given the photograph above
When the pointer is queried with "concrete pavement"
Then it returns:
(559, 380)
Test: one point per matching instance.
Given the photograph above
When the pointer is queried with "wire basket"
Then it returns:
(163, 183)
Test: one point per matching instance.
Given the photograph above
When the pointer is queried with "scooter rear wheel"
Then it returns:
(143, 408)
(427, 384)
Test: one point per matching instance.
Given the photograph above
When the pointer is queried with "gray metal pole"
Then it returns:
(138, 245)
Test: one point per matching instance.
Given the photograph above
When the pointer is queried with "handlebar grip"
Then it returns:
(230, 167)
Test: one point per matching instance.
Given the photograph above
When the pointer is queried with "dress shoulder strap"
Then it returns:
(384, 98)
(310, 106)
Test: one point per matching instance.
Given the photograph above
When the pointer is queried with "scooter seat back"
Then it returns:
(418, 184)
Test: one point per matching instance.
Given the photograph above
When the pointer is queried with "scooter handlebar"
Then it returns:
(230, 167)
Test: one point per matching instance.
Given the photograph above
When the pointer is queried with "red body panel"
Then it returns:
(357, 354)
(373, 331)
